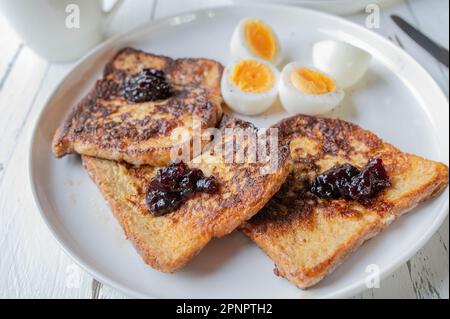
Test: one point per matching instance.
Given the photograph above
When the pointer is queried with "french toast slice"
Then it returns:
(308, 237)
(168, 242)
(106, 125)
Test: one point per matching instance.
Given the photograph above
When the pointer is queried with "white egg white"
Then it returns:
(240, 49)
(247, 103)
(295, 101)
(346, 63)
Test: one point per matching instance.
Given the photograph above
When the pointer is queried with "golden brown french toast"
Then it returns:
(108, 125)
(168, 242)
(307, 236)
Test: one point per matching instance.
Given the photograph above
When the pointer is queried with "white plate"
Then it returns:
(397, 100)
(342, 7)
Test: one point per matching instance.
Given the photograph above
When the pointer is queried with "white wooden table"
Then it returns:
(32, 265)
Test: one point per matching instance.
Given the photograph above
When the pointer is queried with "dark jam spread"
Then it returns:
(174, 185)
(349, 182)
(147, 85)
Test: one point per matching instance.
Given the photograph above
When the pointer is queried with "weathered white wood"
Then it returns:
(130, 15)
(10, 46)
(110, 293)
(431, 16)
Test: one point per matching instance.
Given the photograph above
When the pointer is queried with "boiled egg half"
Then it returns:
(253, 38)
(346, 63)
(250, 86)
(307, 90)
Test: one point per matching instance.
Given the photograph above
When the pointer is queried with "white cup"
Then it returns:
(58, 30)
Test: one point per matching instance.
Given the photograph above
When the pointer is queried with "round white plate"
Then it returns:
(342, 7)
(397, 100)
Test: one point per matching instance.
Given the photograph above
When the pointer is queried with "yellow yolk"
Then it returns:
(312, 82)
(260, 39)
(252, 76)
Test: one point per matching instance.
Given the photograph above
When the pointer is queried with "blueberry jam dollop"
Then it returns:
(147, 85)
(349, 182)
(174, 185)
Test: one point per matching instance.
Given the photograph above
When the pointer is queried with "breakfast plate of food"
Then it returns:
(243, 151)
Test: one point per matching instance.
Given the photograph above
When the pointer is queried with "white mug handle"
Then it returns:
(108, 15)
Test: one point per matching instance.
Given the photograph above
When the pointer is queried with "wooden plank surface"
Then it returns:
(33, 270)
(29, 268)
(427, 271)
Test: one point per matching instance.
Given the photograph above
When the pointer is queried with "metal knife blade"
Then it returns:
(436, 50)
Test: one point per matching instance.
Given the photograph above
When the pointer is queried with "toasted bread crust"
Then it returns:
(168, 242)
(105, 125)
(308, 237)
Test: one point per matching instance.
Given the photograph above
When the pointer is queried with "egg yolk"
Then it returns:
(252, 76)
(312, 82)
(260, 39)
